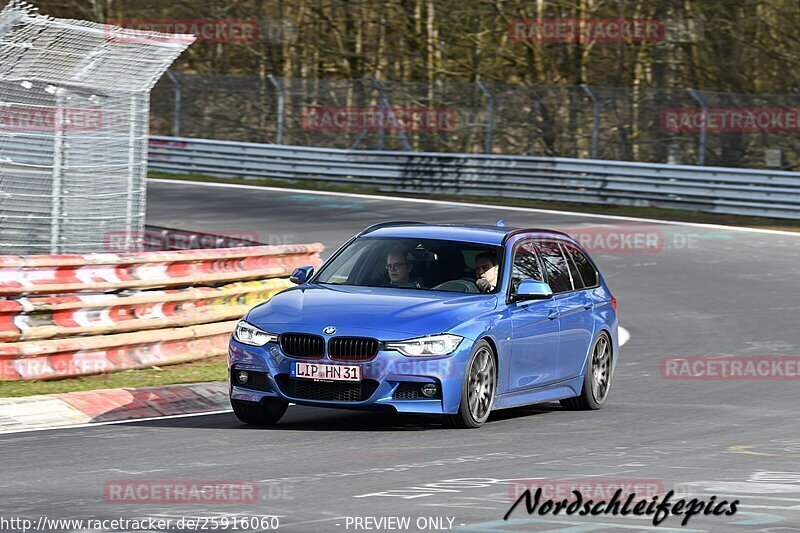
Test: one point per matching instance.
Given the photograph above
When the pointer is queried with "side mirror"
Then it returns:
(530, 289)
(301, 274)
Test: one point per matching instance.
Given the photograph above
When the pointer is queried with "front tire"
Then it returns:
(596, 378)
(266, 413)
(477, 393)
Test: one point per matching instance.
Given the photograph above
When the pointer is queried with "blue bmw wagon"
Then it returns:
(453, 320)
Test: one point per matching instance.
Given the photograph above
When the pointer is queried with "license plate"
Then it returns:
(326, 372)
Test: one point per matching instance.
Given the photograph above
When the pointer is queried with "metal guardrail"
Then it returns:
(156, 238)
(707, 189)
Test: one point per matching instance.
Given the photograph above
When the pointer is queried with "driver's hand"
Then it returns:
(489, 277)
(483, 285)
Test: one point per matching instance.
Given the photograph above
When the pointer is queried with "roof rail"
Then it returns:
(390, 223)
(533, 230)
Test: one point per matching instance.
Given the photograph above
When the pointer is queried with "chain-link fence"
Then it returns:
(631, 124)
(74, 117)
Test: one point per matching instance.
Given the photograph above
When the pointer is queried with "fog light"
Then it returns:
(430, 390)
(242, 376)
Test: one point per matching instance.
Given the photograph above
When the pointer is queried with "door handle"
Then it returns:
(552, 313)
(588, 304)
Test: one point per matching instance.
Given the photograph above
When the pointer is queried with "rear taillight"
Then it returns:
(614, 303)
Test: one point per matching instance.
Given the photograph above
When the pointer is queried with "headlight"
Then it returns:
(426, 346)
(249, 334)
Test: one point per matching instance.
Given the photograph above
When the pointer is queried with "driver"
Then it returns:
(486, 271)
(398, 267)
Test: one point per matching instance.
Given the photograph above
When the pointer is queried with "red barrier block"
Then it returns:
(115, 404)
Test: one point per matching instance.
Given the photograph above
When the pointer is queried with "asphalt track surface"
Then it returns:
(704, 291)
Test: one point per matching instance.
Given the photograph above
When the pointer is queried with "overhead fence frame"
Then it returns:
(718, 190)
(74, 123)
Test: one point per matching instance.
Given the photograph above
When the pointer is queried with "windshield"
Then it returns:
(420, 264)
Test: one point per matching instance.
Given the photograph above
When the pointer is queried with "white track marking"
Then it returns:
(478, 206)
(113, 422)
(624, 335)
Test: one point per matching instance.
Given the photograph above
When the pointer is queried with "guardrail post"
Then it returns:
(595, 120)
(491, 109)
(386, 105)
(176, 110)
(281, 107)
(701, 143)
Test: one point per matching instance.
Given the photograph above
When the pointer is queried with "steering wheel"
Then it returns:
(405, 284)
(458, 285)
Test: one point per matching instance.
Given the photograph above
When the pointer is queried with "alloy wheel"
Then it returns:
(481, 384)
(601, 369)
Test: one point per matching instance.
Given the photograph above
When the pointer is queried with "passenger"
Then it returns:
(486, 271)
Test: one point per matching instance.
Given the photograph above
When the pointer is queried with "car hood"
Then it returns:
(407, 311)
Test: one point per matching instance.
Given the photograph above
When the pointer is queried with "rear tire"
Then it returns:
(596, 378)
(266, 413)
(477, 392)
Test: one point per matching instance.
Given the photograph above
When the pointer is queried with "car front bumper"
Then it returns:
(386, 377)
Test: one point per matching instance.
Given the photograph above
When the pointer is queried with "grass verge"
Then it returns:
(628, 211)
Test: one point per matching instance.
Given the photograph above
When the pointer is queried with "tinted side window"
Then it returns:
(526, 265)
(587, 271)
(555, 267)
(577, 281)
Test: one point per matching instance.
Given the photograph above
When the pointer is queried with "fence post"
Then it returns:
(281, 107)
(595, 120)
(176, 111)
(701, 143)
(132, 172)
(491, 108)
(386, 105)
(58, 173)
(358, 140)
(363, 133)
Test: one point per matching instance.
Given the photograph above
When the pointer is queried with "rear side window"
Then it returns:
(525, 266)
(577, 281)
(584, 266)
(555, 267)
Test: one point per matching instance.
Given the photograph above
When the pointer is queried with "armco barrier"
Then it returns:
(114, 316)
(47, 317)
(107, 272)
(707, 189)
